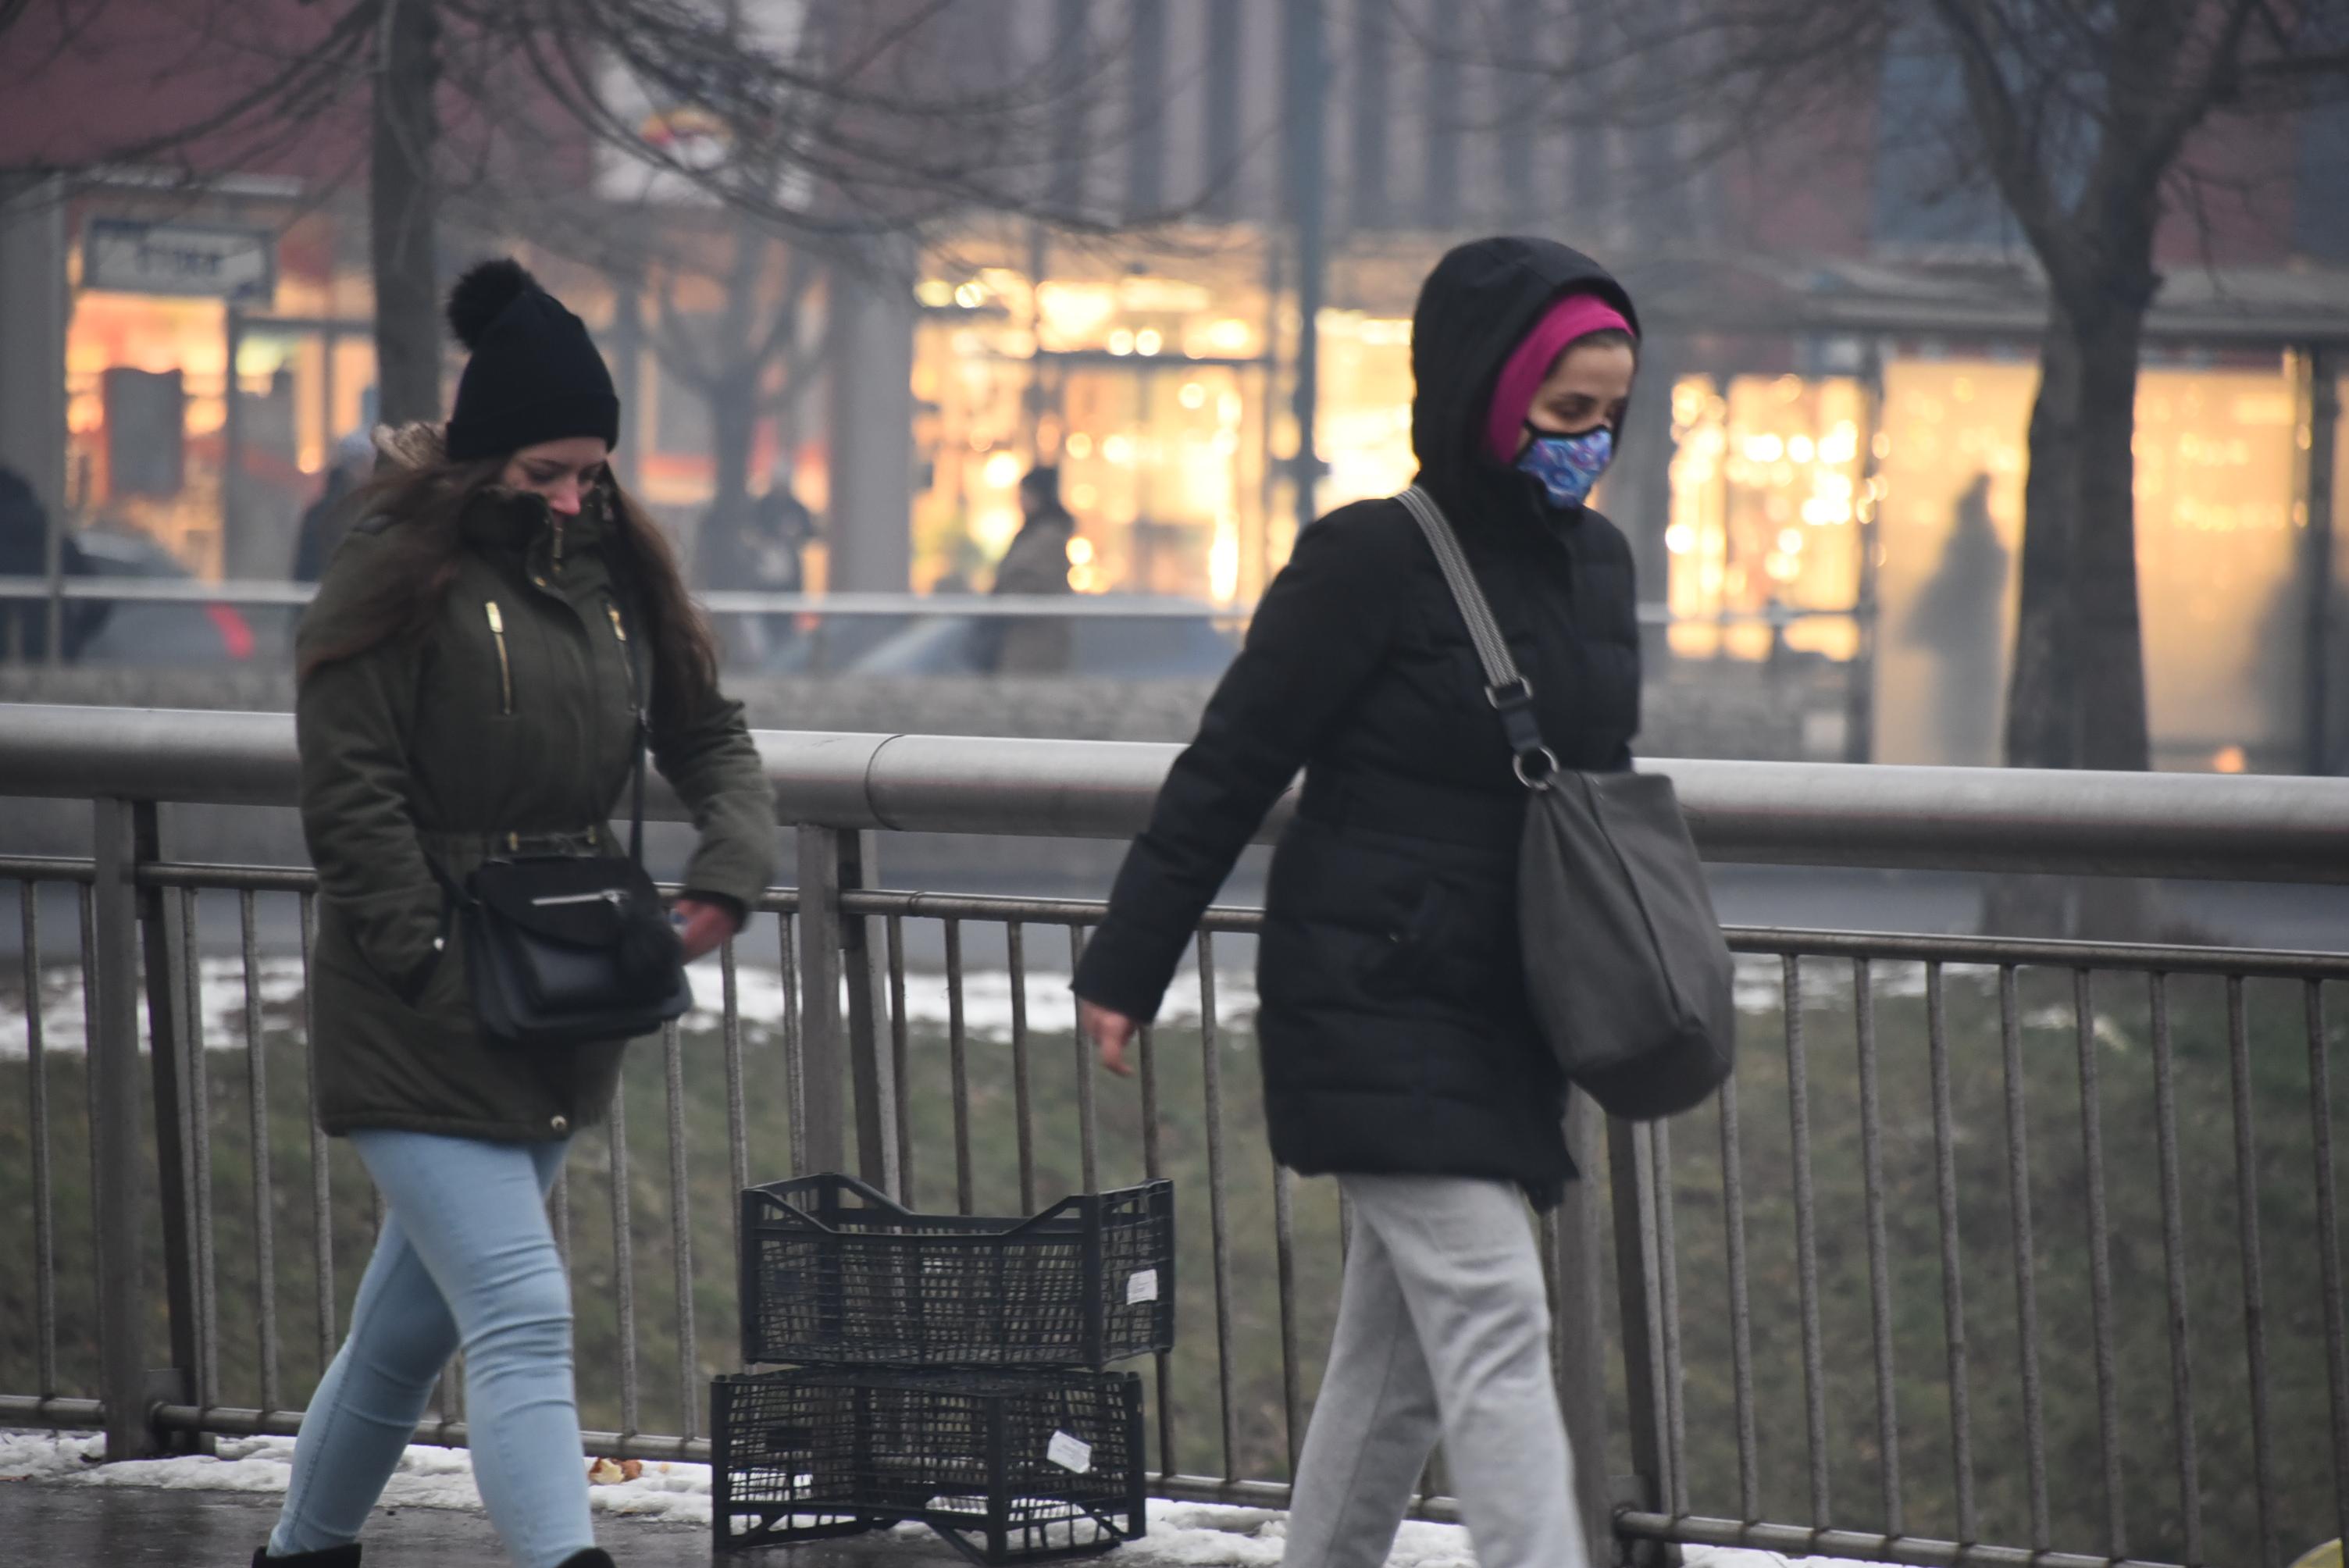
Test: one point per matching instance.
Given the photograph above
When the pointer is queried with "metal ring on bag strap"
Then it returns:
(1551, 769)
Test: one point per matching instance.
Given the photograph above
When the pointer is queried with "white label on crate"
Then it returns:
(1141, 1285)
(1069, 1453)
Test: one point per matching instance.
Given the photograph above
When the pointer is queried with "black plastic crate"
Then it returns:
(834, 1274)
(1008, 1467)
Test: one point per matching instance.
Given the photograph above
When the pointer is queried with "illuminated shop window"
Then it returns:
(1365, 416)
(148, 409)
(2216, 560)
(1768, 498)
(1145, 390)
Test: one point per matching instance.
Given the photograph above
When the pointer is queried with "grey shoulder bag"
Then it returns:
(1625, 969)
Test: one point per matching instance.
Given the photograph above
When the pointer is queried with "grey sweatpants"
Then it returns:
(1443, 1330)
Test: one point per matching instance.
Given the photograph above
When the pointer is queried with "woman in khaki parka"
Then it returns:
(464, 690)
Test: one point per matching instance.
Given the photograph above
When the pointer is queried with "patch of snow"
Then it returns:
(758, 996)
(1760, 982)
(987, 999)
(987, 1005)
(220, 1000)
(1182, 1535)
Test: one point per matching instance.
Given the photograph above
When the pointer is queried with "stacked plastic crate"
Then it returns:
(941, 1368)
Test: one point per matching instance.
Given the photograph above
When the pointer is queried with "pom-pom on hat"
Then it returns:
(533, 374)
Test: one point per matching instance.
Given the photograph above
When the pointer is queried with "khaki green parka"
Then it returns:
(513, 715)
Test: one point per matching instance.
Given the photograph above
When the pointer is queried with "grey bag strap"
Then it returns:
(1505, 687)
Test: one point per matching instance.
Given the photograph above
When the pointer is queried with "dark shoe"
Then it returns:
(332, 1557)
(594, 1557)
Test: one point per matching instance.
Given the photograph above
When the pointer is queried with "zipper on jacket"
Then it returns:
(558, 545)
(612, 896)
(618, 630)
(505, 664)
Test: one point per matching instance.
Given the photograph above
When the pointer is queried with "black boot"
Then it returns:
(332, 1557)
(594, 1557)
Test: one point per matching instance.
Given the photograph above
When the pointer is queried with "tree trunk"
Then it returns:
(736, 368)
(401, 209)
(2078, 697)
(733, 423)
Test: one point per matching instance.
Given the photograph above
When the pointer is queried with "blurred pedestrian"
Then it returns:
(761, 554)
(468, 689)
(1959, 621)
(1397, 1046)
(24, 553)
(1035, 564)
(328, 519)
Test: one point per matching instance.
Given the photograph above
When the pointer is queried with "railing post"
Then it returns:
(1635, 1289)
(2317, 471)
(870, 1066)
(1581, 1337)
(840, 1048)
(115, 1132)
(166, 950)
(821, 1043)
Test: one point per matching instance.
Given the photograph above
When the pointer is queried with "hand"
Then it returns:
(1109, 1031)
(703, 928)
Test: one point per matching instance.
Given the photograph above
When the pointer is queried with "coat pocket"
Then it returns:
(1399, 966)
(1457, 945)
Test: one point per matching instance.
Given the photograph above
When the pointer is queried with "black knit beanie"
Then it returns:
(534, 375)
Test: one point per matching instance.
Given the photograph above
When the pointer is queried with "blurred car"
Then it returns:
(1101, 648)
(144, 633)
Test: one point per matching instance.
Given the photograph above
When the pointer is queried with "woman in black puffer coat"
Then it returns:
(1399, 1051)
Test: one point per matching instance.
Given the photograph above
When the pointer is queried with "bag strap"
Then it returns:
(1506, 686)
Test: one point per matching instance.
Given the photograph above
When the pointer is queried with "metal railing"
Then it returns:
(2039, 1276)
(273, 593)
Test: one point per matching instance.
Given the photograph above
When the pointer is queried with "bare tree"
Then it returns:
(850, 121)
(404, 211)
(729, 358)
(2082, 115)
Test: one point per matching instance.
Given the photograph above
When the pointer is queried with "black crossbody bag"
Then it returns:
(564, 949)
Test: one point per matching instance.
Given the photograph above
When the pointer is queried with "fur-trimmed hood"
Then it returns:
(417, 445)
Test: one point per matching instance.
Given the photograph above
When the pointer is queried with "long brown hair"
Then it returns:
(428, 504)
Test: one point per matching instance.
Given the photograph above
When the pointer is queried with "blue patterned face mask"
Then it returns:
(1568, 466)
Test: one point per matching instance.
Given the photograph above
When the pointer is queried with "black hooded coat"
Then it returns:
(1394, 1031)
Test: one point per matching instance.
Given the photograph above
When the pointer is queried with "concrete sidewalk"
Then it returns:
(46, 1525)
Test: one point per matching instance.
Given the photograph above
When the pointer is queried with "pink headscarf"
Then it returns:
(1576, 316)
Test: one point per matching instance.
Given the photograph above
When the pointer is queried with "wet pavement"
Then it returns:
(47, 1525)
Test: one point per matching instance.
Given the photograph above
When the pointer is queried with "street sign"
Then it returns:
(217, 262)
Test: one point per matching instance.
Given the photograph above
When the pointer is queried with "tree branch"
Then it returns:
(673, 342)
(2191, 102)
(2014, 161)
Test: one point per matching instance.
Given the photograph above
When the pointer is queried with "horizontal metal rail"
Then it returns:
(2241, 827)
(267, 594)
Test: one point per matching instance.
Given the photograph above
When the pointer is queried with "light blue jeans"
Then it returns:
(466, 1259)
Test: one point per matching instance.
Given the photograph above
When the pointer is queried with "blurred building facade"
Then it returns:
(1826, 465)
(1830, 460)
